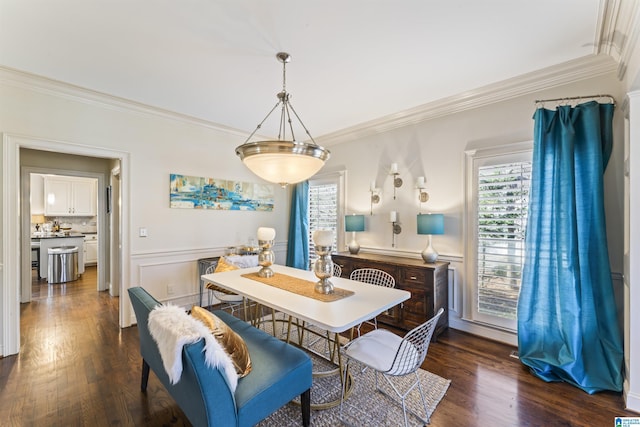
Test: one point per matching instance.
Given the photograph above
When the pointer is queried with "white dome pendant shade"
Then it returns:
(282, 161)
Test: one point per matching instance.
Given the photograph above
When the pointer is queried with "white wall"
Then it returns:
(632, 269)
(156, 144)
(435, 149)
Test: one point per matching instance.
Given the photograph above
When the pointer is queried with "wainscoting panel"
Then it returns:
(172, 276)
(169, 280)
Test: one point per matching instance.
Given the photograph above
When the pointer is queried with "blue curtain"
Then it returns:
(567, 317)
(298, 244)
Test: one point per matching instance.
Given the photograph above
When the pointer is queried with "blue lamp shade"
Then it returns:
(354, 223)
(430, 224)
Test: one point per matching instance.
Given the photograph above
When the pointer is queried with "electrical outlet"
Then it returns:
(170, 290)
(143, 232)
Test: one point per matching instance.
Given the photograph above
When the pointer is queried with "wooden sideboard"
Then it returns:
(428, 284)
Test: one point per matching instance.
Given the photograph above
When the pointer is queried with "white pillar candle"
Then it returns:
(266, 233)
(393, 216)
(323, 237)
(373, 186)
(394, 168)
(421, 182)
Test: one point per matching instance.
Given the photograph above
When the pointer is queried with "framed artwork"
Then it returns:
(193, 192)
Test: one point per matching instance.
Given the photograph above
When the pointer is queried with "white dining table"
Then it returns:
(366, 302)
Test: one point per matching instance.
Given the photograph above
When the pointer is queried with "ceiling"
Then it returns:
(352, 61)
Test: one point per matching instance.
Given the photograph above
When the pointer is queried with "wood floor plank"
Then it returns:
(76, 367)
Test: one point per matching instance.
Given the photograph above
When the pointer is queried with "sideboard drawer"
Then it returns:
(413, 276)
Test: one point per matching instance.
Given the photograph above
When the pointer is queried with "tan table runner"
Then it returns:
(299, 286)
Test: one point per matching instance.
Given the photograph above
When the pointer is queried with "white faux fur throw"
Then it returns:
(172, 328)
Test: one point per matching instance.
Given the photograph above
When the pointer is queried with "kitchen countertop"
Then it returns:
(59, 235)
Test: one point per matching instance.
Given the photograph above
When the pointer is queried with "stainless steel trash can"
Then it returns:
(63, 264)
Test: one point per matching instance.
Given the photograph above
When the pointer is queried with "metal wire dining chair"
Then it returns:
(373, 276)
(337, 270)
(393, 356)
(227, 299)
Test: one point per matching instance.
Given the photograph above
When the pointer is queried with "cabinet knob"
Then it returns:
(413, 278)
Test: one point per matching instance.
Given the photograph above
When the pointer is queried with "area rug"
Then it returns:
(365, 406)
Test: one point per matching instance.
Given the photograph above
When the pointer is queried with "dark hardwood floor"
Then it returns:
(76, 367)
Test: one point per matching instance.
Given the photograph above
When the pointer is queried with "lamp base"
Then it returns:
(354, 247)
(429, 255)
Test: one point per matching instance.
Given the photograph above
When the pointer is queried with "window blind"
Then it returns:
(323, 212)
(503, 198)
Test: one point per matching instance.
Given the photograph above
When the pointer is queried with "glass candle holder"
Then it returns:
(266, 258)
(323, 269)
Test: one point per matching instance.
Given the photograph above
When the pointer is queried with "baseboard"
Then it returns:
(504, 337)
(631, 399)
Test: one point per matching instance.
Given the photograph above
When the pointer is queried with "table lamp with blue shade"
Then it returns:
(430, 224)
(354, 223)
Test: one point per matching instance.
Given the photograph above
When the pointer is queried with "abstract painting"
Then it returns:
(192, 192)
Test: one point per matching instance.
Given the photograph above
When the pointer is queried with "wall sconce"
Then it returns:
(423, 196)
(354, 223)
(397, 181)
(430, 224)
(375, 195)
(393, 219)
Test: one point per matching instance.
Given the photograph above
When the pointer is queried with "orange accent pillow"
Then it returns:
(224, 265)
(231, 342)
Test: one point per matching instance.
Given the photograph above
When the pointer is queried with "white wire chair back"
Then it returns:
(414, 347)
(373, 276)
(222, 295)
(337, 270)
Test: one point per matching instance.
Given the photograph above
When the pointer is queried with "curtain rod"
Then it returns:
(571, 98)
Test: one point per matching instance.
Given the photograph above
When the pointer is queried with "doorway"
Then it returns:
(14, 242)
(32, 194)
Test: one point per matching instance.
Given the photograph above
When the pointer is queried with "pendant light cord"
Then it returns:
(286, 109)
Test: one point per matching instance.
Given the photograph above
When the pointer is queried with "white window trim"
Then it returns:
(474, 159)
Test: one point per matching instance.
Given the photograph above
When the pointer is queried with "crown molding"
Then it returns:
(571, 71)
(579, 69)
(618, 31)
(24, 80)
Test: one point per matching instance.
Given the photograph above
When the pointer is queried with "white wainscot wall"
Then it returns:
(172, 277)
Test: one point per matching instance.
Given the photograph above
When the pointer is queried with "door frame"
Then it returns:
(11, 225)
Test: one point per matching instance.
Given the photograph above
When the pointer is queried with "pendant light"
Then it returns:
(283, 161)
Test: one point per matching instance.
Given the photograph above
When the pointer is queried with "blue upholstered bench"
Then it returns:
(279, 373)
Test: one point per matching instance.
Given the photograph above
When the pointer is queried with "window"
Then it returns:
(499, 194)
(325, 209)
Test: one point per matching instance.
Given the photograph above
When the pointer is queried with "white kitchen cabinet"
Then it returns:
(70, 196)
(90, 249)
